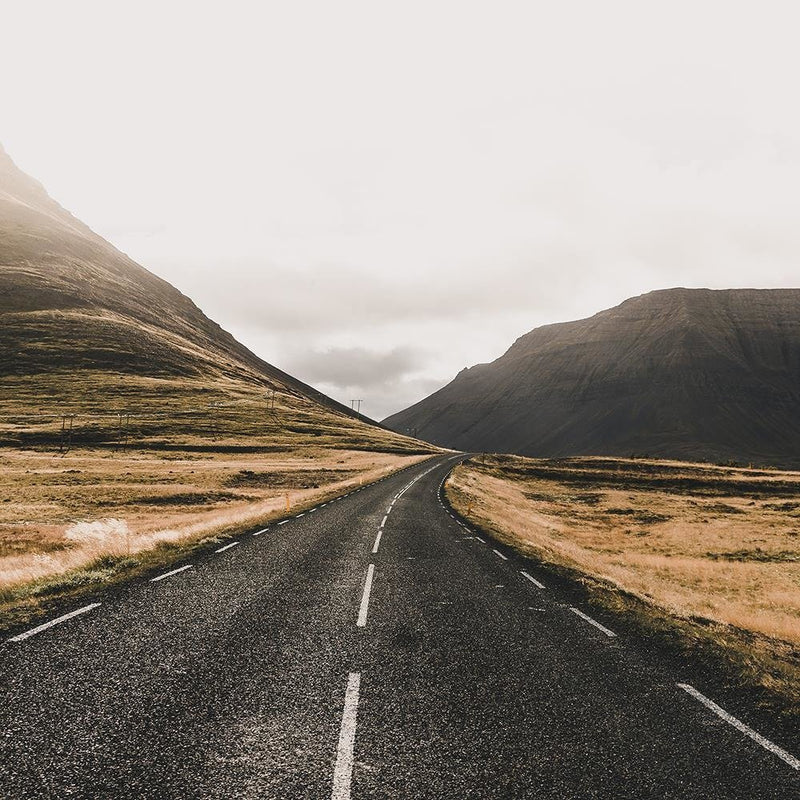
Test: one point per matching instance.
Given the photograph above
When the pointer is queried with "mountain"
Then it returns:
(677, 373)
(69, 299)
(86, 330)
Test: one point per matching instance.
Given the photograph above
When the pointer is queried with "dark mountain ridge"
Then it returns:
(679, 373)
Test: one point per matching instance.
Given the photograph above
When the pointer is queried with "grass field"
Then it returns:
(715, 549)
(154, 467)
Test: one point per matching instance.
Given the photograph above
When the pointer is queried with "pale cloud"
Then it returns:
(379, 379)
(356, 366)
(415, 184)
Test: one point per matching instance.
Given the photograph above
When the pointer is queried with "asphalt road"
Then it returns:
(319, 660)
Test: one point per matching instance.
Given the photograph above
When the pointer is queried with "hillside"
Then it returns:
(69, 299)
(679, 373)
(86, 331)
(133, 429)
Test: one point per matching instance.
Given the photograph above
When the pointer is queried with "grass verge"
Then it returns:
(702, 559)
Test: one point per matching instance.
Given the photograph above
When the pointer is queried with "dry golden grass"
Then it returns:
(60, 514)
(701, 543)
(733, 558)
(196, 459)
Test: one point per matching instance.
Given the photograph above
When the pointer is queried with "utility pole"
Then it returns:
(122, 430)
(66, 433)
(353, 405)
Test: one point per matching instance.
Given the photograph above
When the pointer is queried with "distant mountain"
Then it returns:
(681, 373)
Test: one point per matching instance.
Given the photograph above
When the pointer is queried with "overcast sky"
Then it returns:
(374, 195)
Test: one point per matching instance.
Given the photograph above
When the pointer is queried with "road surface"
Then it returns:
(371, 648)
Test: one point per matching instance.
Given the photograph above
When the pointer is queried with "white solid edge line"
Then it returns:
(362, 611)
(793, 762)
(171, 572)
(591, 621)
(226, 547)
(43, 627)
(377, 542)
(498, 553)
(343, 771)
(532, 579)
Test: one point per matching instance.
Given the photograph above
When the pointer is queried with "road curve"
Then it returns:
(371, 648)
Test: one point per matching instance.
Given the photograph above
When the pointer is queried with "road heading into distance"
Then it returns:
(373, 647)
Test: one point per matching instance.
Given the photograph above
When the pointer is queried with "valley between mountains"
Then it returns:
(571, 573)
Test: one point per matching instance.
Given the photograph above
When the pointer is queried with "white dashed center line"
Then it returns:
(498, 553)
(362, 611)
(793, 762)
(170, 573)
(343, 771)
(57, 621)
(226, 547)
(377, 542)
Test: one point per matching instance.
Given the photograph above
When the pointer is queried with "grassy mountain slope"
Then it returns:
(85, 330)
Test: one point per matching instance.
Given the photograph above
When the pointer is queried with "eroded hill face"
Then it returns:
(678, 373)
